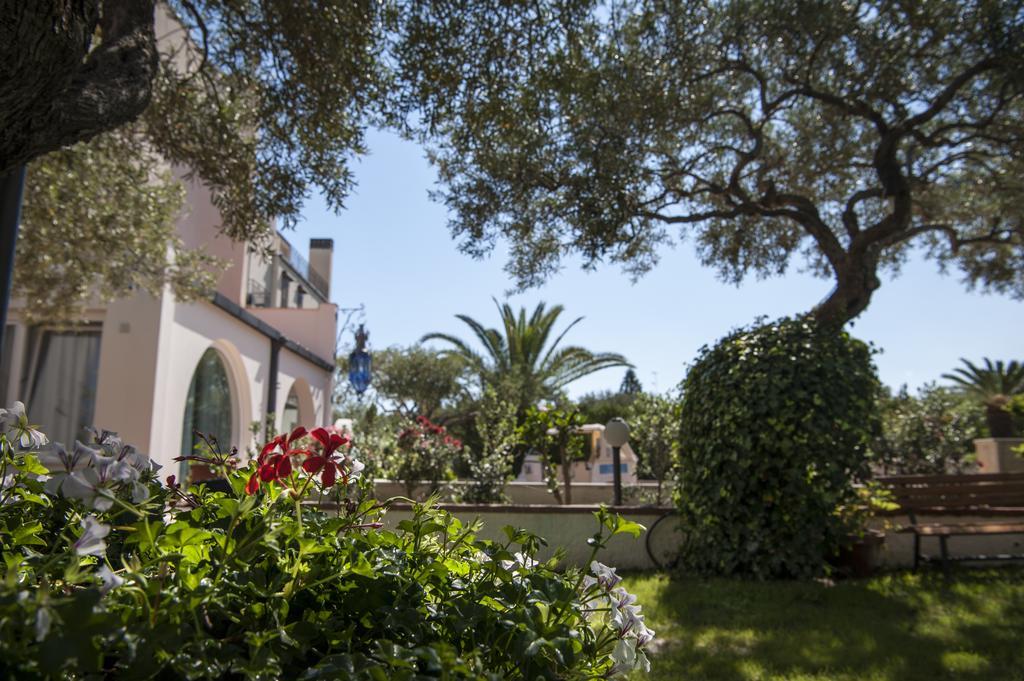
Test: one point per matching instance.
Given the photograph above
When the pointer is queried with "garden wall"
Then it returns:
(568, 527)
(898, 550)
(583, 493)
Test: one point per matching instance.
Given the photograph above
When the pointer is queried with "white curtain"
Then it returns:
(62, 400)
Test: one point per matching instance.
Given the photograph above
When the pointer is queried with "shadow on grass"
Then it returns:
(897, 627)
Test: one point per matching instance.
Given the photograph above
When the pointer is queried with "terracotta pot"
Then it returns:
(859, 557)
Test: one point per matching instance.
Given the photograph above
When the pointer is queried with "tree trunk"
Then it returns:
(55, 89)
(566, 474)
(999, 419)
(856, 281)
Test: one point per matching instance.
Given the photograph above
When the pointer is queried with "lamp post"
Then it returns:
(359, 363)
(616, 433)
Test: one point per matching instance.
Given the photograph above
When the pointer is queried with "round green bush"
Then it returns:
(776, 422)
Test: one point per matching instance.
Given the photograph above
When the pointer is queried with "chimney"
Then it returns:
(320, 253)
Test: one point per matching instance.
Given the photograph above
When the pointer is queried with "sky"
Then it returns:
(393, 253)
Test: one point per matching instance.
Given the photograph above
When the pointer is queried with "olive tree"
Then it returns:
(837, 134)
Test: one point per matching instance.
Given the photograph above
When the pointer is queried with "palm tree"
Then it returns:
(993, 386)
(520, 358)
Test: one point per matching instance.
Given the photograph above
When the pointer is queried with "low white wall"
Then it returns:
(567, 527)
(537, 492)
(898, 550)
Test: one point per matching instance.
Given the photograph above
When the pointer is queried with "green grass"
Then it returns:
(897, 627)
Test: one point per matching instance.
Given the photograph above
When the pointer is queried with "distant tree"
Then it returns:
(520, 360)
(993, 386)
(630, 384)
(601, 407)
(930, 432)
(412, 381)
(654, 436)
(840, 133)
(553, 435)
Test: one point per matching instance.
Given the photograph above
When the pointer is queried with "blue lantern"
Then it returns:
(359, 363)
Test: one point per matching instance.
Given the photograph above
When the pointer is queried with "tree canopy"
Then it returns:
(264, 101)
(837, 134)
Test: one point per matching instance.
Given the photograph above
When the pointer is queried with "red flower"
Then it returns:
(254, 483)
(330, 441)
(283, 443)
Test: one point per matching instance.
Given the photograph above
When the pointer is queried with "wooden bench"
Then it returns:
(996, 497)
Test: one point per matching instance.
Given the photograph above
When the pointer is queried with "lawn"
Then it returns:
(897, 627)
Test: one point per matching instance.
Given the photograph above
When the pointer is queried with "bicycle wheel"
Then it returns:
(664, 541)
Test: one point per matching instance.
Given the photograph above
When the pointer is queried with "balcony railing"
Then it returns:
(302, 268)
(257, 295)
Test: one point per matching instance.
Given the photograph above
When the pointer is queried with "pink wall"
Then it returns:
(312, 328)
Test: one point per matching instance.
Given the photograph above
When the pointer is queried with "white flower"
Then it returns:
(644, 636)
(94, 486)
(355, 468)
(620, 598)
(624, 654)
(139, 492)
(61, 464)
(606, 576)
(6, 483)
(91, 542)
(15, 423)
(627, 619)
(109, 578)
(520, 561)
(43, 621)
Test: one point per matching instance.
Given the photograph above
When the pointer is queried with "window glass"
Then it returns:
(208, 407)
(290, 416)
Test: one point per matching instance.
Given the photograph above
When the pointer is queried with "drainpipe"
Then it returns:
(275, 353)
(11, 187)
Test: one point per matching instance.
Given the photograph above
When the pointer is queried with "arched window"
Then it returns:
(208, 407)
(290, 415)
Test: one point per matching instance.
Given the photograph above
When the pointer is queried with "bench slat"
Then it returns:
(936, 529)
(952, 478)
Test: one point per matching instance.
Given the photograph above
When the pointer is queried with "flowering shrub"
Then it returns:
(104, 580)
(425, 452)
(491, 467)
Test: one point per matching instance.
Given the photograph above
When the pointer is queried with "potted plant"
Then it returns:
(861, 553)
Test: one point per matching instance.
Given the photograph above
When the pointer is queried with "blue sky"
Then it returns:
(393, 253)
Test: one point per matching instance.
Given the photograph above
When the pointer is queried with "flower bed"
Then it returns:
(110, 573)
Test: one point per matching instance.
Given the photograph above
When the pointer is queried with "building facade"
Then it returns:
(156, 369)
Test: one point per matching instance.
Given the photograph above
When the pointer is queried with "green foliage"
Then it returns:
(927, 433)
(522, 360)
(993, 385)
(769, 132)
(409, 380)
(491, 467)
(264, 102)
(654, 436)
(776, 421)
(552, 435)
(601, 407)
(98, 221)
(168, 583)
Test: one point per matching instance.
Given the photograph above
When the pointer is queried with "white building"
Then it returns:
(154, 369)
(596, 467)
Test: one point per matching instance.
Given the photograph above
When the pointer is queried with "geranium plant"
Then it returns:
(425, 453)
(103, 580)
